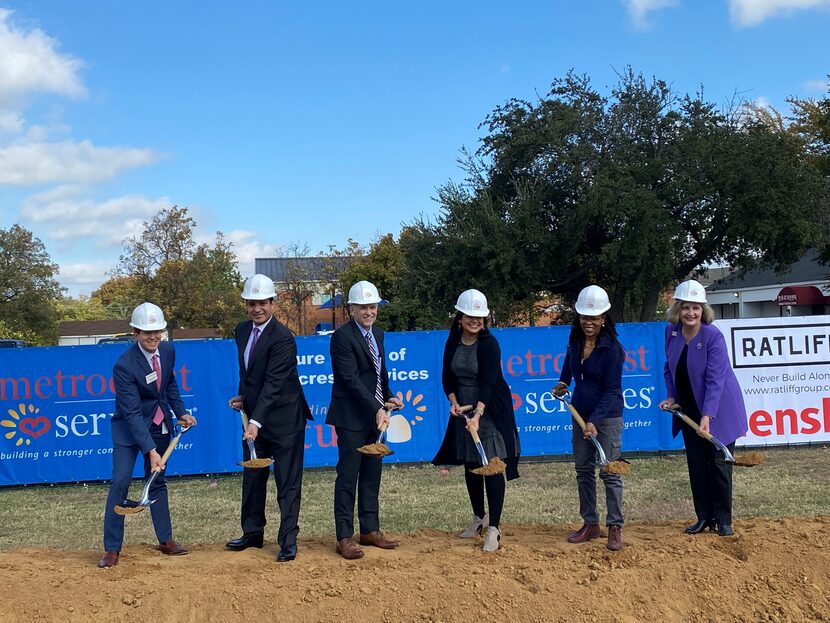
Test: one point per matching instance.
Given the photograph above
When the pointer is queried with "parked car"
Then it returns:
(7, 343)
(124, 338)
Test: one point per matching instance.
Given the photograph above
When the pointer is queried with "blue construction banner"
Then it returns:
(56, 402)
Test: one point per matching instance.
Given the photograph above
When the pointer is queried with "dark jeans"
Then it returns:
(609, 435)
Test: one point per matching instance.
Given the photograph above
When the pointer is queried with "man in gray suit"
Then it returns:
(360, 388)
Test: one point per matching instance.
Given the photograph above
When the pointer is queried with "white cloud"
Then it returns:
(638, 10)
(70, 220)
(247, 246)
(10, 122)
(31, 63)
(27, 164)
(753, 12)
(821, 85)
(84, 274)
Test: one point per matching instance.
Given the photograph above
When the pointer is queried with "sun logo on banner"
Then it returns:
(25, 424)
(400, 428)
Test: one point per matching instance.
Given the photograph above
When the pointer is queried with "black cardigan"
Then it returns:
(493, 391)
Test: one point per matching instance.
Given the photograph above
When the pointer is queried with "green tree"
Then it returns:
(120, 294)
(28, 287)
(632, 190)
(168, 236)
(197, 286)
(334, 263)
(81, 308)
(811, 121)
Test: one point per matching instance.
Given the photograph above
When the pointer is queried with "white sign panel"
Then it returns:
(783, 367)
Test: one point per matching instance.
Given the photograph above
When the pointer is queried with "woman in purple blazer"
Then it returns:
(700, 379)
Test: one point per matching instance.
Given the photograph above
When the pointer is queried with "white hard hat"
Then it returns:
(364, 293)
(690, 291)
(472, 303)
(148, 317)
(258, 288)
(592, 301)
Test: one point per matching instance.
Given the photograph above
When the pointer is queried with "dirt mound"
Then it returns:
(772, 570)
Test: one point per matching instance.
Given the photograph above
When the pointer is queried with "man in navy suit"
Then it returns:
(271, 395)
(360, 388)
(145, 392)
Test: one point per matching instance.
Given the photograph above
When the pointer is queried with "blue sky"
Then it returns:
(310, 123)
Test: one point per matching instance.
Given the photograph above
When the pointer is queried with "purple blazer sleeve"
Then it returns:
(717, 369)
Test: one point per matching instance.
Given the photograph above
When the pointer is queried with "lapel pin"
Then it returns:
(674, 333)
(699, 346)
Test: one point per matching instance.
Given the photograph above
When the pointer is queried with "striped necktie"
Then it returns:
(376, 361)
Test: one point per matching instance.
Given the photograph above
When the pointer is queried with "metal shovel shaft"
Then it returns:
(482, 455)
(603, 460)
(727, 455)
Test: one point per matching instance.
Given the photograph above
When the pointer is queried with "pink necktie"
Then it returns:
(159, 416)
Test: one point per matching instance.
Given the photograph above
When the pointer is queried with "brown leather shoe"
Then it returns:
(615, 542)
(109, 559)
(377, 539)
(587, 532)
(348, 549)
(172, 548)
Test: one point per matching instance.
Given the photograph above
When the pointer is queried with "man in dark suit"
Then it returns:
(361, 386)
(271, 395)
(145, 392)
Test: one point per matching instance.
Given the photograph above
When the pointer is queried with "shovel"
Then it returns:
(379, 448)
(130, 507)
(751, 459)
(488, 468)
(621, 467)
(253, 462)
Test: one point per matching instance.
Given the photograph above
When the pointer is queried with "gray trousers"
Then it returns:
(609, 435)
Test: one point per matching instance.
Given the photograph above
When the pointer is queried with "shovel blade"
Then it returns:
(131, 507)
(255, 463)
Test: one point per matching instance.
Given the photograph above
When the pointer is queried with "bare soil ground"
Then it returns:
(772, 570)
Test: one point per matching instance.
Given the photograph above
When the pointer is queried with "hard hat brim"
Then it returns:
(584, 311)
(482, 313)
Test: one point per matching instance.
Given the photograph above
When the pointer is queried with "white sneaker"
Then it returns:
(491, 539)
(477, 526)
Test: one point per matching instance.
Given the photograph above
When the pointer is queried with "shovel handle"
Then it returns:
(466, 409)
(574, 413)
(244, 417)
(692, 423)
(172, 445)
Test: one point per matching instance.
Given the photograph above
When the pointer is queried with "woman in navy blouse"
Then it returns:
(594, 361)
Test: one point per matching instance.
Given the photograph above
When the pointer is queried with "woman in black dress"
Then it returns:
(472, 375)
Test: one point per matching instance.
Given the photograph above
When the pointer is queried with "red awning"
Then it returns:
(800, 295)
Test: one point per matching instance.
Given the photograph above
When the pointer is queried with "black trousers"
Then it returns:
(288, 452)
(711, 480)
(356, 474)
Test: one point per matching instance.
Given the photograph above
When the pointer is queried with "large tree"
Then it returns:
(197, 285)
(633, 190)
(28, 287)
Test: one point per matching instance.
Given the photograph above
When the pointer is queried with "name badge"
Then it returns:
(151, 378)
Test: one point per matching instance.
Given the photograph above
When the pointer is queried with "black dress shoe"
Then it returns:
(287, 552)
(244, 542)
(725, 530)
(700, 525)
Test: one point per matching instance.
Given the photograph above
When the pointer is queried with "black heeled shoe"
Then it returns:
(700, 525)
(725, 530)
